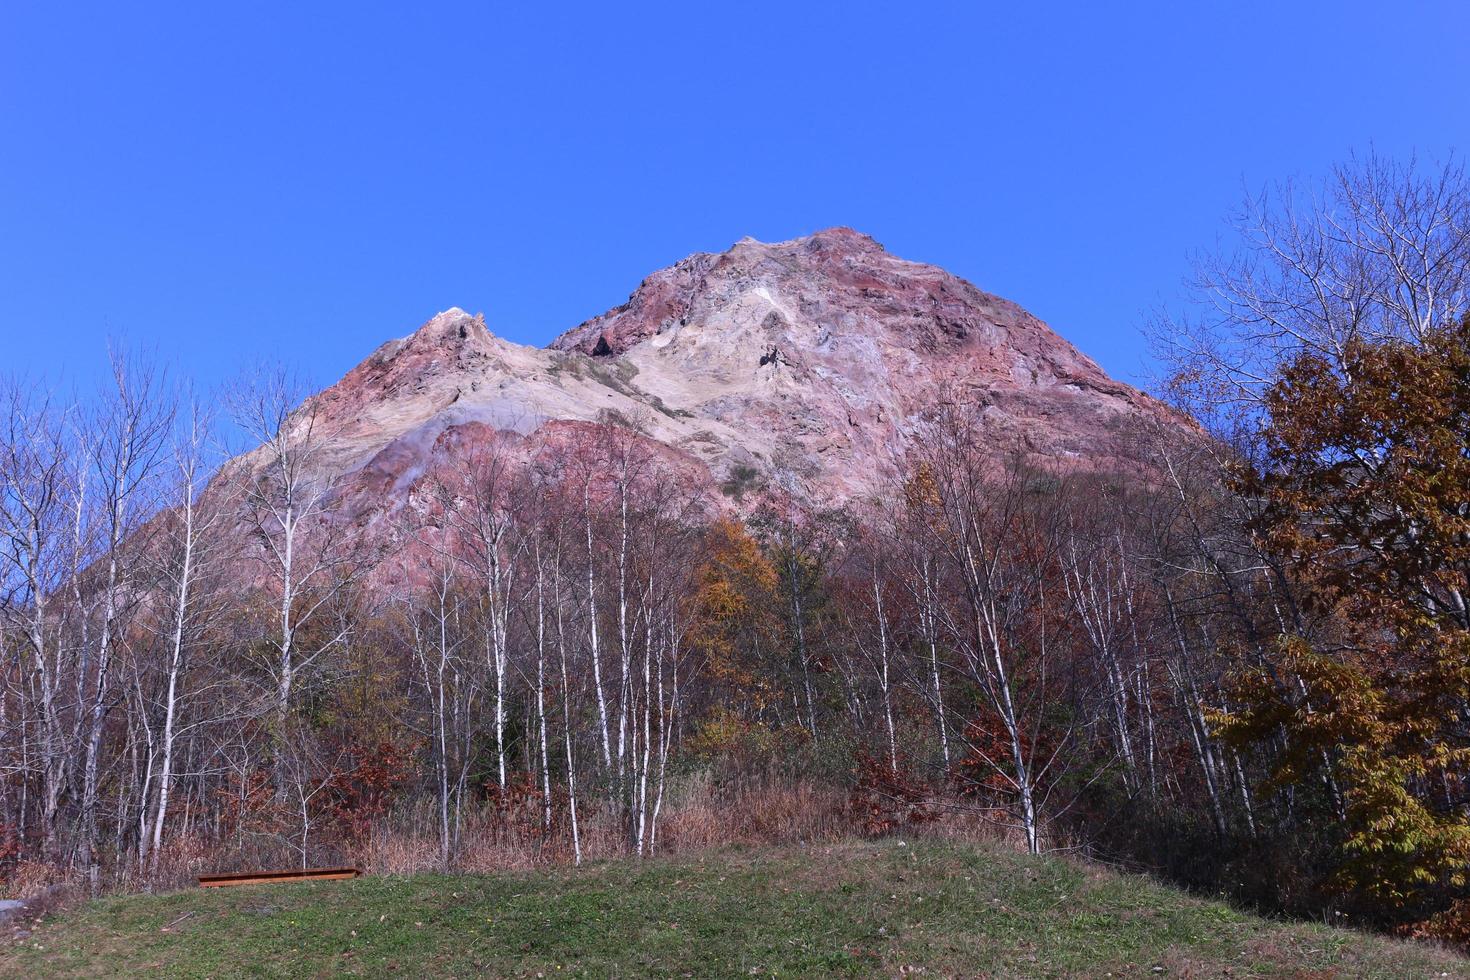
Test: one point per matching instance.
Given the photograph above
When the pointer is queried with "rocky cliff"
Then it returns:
(800, 368)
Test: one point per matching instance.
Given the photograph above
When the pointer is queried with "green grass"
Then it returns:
(857, 909)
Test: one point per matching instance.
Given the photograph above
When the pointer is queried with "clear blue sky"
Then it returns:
(229, 182)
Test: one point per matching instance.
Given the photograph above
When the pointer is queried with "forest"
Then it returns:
(1240, 660)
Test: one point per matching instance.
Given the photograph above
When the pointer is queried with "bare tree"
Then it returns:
(1099, 586)
(1380, 249)
(190, 552)
(129, 446)
(479, 495)
(437, 635)
(1004, 550)
(37, 491)
(307, 560)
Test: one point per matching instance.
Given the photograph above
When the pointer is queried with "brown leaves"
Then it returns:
(885, 800)
(1366, 498)
(1367, 477)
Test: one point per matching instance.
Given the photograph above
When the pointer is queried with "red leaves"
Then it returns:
(10, 844)
(983, 766)
(518, 803)
(246, 797)
(887, 800)
(363, 793)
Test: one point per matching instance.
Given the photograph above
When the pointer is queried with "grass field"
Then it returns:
(871, 908)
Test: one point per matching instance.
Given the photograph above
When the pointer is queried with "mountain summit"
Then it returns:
(806, 365)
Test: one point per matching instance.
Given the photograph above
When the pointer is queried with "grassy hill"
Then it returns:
(872, 908)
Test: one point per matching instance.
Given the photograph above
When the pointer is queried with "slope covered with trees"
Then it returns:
(1239, 661)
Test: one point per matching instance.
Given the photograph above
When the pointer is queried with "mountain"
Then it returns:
(799, 368)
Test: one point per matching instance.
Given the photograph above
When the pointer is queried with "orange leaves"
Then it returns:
(724, 733)
(1391, 753)
(1451, 926)
(735, 603)
(1366, 493)
(921, 493)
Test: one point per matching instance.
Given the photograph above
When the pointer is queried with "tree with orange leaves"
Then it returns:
(737, 626)
(1365, 490)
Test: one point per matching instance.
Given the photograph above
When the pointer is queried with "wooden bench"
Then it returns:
(267, 877)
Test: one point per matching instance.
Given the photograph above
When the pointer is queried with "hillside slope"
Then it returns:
(864, 909)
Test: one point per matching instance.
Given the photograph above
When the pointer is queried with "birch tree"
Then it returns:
(305, 561)
(129, 445)
(1003, 549)
(479, 495)
(37, 493)
(190, 553)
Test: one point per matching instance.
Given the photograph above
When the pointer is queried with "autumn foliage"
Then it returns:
(1365, 496)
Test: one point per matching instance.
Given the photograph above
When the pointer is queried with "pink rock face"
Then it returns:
(800, 370)
(827, 352)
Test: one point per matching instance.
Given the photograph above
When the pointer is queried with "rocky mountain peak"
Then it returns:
(803, 367)
(829, 240)
(671, 296)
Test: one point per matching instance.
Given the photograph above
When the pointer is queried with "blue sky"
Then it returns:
(231, 182)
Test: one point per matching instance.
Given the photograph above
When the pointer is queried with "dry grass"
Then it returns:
(698, 815)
